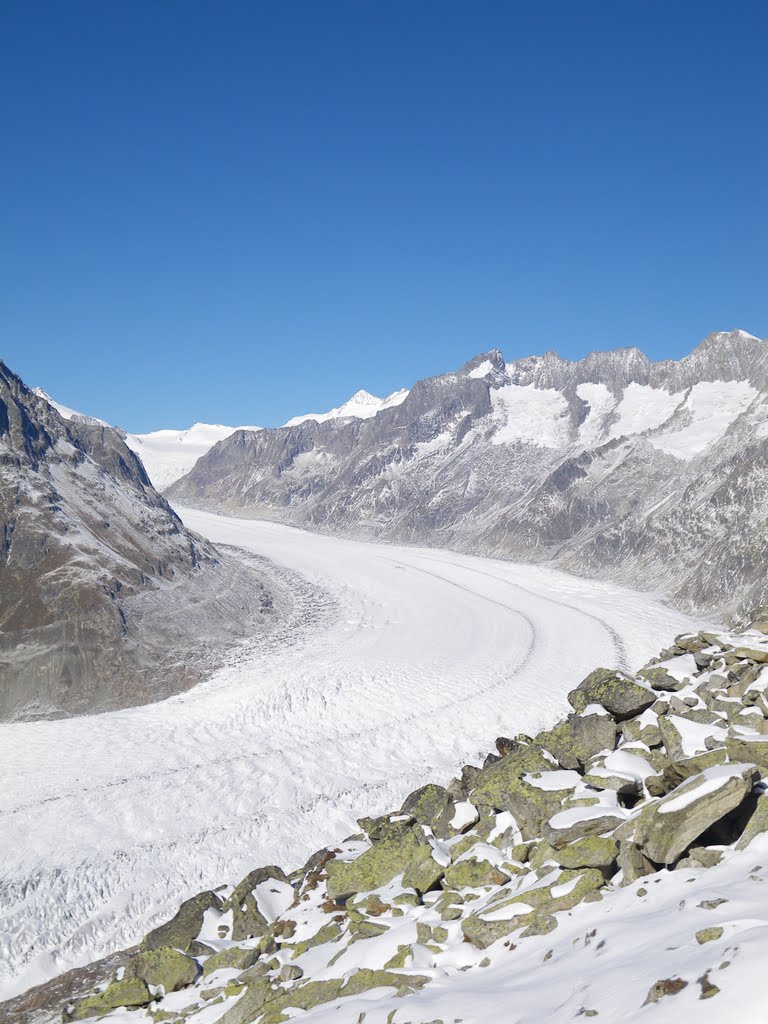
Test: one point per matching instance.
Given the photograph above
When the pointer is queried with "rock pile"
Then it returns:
(662, 771)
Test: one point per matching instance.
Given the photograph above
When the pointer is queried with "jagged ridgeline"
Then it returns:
(106, 600)
(651, 475)
(546, 866)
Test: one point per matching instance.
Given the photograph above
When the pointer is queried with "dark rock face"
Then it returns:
(541, 459)
(104, 594)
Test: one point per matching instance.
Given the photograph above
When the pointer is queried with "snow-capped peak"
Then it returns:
(66, 413)
(362, 405)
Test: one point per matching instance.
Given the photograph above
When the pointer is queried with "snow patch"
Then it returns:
(643, 408)
(712, 407)
(527, 413)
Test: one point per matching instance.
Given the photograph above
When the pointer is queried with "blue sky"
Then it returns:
(237, 212)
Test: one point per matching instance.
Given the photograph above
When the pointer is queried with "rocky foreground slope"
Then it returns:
(614, 866)
(653, 475)
(106, 600)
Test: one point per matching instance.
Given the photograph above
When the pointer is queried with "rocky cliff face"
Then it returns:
(610, 863)
(648, 474)
(106, 600)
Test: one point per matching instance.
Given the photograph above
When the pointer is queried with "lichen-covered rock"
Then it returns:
(473, 873)
(432, 805)
(665, 828)
(748, 748)
(184, 927)
(620, 694)
(130, 992)
(483, 933)
(248, 921)
(235, 957)
(661, 679)
(588, 852)
(511, 785)
(686, 767)
(378, 865)
(387, 826)
(575, 741)
(569, 825)
(163, 967)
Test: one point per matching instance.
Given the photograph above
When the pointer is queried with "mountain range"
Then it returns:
(106, 599)
(649, 474)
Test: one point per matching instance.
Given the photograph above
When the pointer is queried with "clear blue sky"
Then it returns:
(239, 211)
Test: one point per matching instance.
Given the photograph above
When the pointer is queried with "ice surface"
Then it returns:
(405, 664)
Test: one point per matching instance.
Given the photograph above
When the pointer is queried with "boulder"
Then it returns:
(667, 827)
(685, 768)
(432, 805)
(577, 822)
(158, 970)
(378, 865)
(387, 826)
(660, 679)
(473, 873)
(235, 958)
(512, 785)
(184, 927)
(633, 864)
(575, 741)
(620, 694)
(130, 992)
(588, 852)
(757, 823)
(752, 748)
(248, 920)
(163, 966)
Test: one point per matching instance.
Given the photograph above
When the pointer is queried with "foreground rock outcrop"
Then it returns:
(627, 826)
(106, 600)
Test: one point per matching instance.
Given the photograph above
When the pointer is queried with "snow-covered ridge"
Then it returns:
(170, 454)
(167, 455)
(362, 405)
(65, 412)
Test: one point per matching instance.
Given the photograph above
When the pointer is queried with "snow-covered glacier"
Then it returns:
(395, 666)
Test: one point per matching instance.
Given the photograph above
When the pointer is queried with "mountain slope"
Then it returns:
(647, 474)
(106, 600)
(167, 455)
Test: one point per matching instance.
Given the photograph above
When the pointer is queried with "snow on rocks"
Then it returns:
(531, 855)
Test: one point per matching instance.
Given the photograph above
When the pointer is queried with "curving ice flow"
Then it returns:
(394, 667)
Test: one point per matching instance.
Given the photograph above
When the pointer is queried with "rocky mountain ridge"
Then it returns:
(611, 863)
(106, 600)
(652, 475)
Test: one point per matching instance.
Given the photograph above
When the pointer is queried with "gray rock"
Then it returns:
(247, 919)
(617, 692)
(575, 741)
(667, 827)
(184, 927)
